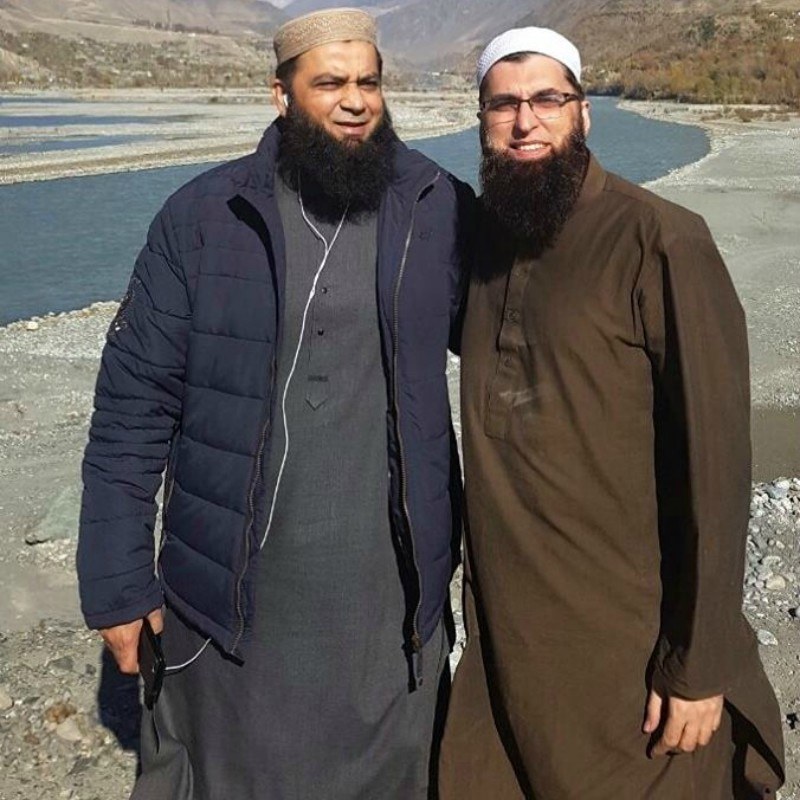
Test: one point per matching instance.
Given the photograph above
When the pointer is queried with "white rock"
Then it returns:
(31, 325)
(776, 583)
(69, 731)
(767, 638)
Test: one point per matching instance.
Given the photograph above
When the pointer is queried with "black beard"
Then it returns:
(336, 175)
(532, 200)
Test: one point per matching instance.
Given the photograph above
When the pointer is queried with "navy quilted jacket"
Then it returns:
(187, 382)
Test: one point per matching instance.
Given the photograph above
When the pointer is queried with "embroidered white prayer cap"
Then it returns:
(530, 40)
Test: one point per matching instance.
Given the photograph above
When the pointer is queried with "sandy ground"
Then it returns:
(183, 126)
(68, 722)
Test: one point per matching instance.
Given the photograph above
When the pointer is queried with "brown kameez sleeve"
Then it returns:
(695, 336)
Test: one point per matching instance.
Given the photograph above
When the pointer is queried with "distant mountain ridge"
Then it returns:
(238, 17)
(296, 8)
(430, 32)
(136, 42)
(727, 51)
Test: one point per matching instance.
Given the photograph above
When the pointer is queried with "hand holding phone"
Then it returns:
(151, 663)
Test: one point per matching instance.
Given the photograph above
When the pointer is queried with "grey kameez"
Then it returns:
(321, 706)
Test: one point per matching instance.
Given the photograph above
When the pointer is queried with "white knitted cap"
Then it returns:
(530, 40)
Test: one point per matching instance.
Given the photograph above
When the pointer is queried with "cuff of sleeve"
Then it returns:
(672, 675)
(120, 616)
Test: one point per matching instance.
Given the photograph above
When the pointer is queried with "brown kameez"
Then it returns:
(605, 405)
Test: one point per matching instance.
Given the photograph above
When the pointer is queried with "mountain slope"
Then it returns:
(377, 7)
(425, 32)
(728, 51)
(433, 31)
(224, 16)
(136, 42)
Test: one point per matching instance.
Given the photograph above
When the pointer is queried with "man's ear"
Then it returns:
(280, 97)
(587, 117)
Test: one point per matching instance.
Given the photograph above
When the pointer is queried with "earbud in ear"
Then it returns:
(286, 101)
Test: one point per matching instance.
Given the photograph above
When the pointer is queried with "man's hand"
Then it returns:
(688, 724)
(123, 641)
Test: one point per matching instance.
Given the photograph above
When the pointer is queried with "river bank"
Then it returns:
(68, 722)
(146, 129)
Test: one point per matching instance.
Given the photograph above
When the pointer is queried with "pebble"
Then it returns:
(31, 325)
(777, 583)
(6, 701)
(777, 491)
(767, 638)
(69, 730)
(65, 663)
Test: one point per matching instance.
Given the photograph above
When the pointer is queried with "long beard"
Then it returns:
(531, 201)
(336, 175)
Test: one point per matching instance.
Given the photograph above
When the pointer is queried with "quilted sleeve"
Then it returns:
(137, 409)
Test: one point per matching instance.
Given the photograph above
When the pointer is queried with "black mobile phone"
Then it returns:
(151, 663)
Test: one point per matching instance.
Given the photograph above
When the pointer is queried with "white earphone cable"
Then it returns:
(328, 247)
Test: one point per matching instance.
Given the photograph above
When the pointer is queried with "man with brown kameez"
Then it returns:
(605, 406)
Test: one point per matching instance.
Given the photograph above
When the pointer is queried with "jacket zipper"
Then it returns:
(416, 640)
(169, 485)
(257, 473)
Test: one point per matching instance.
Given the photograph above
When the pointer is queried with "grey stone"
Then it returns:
(61, 519)
(6, 701)
(777, 492)
(65, 663)
(82, 764)
(767, 638)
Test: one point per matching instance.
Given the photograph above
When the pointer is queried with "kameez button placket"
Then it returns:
(510, 343)
(317, 381)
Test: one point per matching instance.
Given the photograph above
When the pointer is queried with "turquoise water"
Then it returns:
(67, 243)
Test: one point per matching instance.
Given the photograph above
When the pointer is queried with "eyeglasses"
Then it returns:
(548, 105)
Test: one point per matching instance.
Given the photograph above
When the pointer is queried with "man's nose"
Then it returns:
(352, 98)
(525, 120)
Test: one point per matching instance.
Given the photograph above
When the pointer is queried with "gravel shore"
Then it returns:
(68, 721)
(160, 129)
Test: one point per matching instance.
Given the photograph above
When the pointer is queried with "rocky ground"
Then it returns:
(68, 720)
